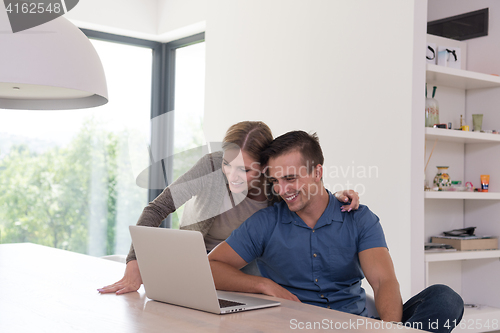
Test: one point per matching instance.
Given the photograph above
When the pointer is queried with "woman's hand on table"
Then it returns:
(130, 282)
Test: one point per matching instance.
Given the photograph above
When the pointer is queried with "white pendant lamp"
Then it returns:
(52, 66)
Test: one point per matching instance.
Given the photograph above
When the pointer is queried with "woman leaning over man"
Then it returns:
(220, 191)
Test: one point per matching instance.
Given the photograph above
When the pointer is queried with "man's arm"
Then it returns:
(226, 263)
(377, 266)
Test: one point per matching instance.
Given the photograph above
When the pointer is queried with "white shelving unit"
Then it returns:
(445, 135)
(461, 255)
(461, 195)
(471, 273)
(459, 78)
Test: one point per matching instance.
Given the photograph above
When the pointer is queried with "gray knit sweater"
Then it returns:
(202, 188)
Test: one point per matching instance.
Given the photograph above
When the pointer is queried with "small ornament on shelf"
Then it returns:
(431, 53)
(442, 179)
(449, 57)
(431, 109)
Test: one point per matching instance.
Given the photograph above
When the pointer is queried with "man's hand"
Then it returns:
(271, 288)
(130, 282)
(347, 196)
(226, 264)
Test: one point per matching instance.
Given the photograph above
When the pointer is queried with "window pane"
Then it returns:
(67, 178)
(189, 108)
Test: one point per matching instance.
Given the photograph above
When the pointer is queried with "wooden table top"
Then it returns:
(49, 290)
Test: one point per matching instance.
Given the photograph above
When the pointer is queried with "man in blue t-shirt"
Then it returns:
(308, 250)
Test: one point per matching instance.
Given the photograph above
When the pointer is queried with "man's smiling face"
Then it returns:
(295, 182)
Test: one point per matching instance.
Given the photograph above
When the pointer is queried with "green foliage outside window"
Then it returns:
(51, 198)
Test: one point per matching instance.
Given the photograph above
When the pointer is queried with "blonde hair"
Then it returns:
(251, 136)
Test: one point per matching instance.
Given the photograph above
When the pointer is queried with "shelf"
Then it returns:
(460, 136)
(459, 78)
(461, 255)
(479, 320)
(470, 273)
(461, 195)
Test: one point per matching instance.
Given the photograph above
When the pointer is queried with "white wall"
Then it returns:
(127, 17)
(180, 18)
(159, 20)
(341, 69)
(417, 149)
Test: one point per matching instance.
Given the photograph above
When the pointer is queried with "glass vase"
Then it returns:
(431, 112)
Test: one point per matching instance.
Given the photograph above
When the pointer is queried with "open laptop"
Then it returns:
(174, 269)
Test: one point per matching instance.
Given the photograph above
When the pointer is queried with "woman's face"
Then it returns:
(242, 172)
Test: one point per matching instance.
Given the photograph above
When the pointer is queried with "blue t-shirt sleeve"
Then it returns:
(370, 232)
(250, 238)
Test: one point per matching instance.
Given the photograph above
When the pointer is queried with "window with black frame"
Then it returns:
(72, 179)
(67, 178)
(188, 111)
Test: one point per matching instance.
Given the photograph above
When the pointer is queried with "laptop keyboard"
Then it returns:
(224, 303)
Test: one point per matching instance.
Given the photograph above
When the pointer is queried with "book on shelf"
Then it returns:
(468, 243)
(438, 247)
(465, 237)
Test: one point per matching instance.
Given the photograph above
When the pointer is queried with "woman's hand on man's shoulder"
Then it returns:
(350, 198)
